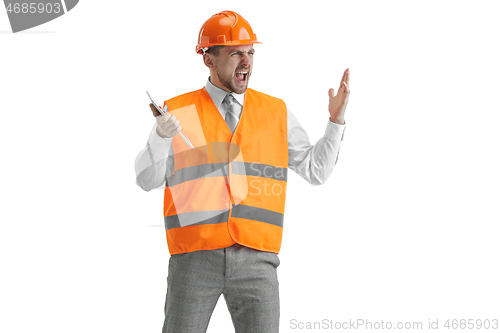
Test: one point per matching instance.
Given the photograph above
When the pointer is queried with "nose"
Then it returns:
(246, 60)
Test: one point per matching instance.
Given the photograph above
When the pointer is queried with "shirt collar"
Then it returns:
(218, 95)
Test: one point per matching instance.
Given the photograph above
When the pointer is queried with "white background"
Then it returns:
(406, 228)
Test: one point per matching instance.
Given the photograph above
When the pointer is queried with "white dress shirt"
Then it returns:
(314, 163)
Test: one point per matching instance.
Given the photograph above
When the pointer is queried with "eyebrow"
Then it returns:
(239, 51)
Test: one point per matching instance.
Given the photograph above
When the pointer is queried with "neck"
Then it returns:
(216, 82)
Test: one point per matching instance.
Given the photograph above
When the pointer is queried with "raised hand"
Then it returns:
(338, 103)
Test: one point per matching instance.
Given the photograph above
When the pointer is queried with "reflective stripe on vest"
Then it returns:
(241, 211)
(231, 187)
(240, 168)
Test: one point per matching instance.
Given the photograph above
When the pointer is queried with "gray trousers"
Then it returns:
(246, 277)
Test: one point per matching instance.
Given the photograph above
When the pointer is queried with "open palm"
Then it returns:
(338, 103)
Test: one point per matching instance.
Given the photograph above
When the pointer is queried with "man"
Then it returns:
(224, 200)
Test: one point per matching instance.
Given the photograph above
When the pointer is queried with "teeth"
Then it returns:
(242, 73)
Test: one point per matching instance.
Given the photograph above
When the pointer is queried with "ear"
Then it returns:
(209, 60)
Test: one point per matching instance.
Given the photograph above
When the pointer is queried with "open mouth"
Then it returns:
(241, 77)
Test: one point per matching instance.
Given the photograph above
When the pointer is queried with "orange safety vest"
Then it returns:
(231, 188)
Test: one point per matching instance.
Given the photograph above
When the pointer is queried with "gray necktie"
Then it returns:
(230, 117)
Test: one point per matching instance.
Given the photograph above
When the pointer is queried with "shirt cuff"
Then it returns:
(159, 144)
(334, 131)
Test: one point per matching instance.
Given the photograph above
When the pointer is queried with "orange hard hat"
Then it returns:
(225, 28)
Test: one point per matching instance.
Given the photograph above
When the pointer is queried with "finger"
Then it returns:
(331, 93)
(166, 119)
(162, 119)
(347, 87)
(176, 130)
(348, 77)
(342, 90)
(172, 119)
(345, 93)
(343, 79)
(155, 112)
(172, 126)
